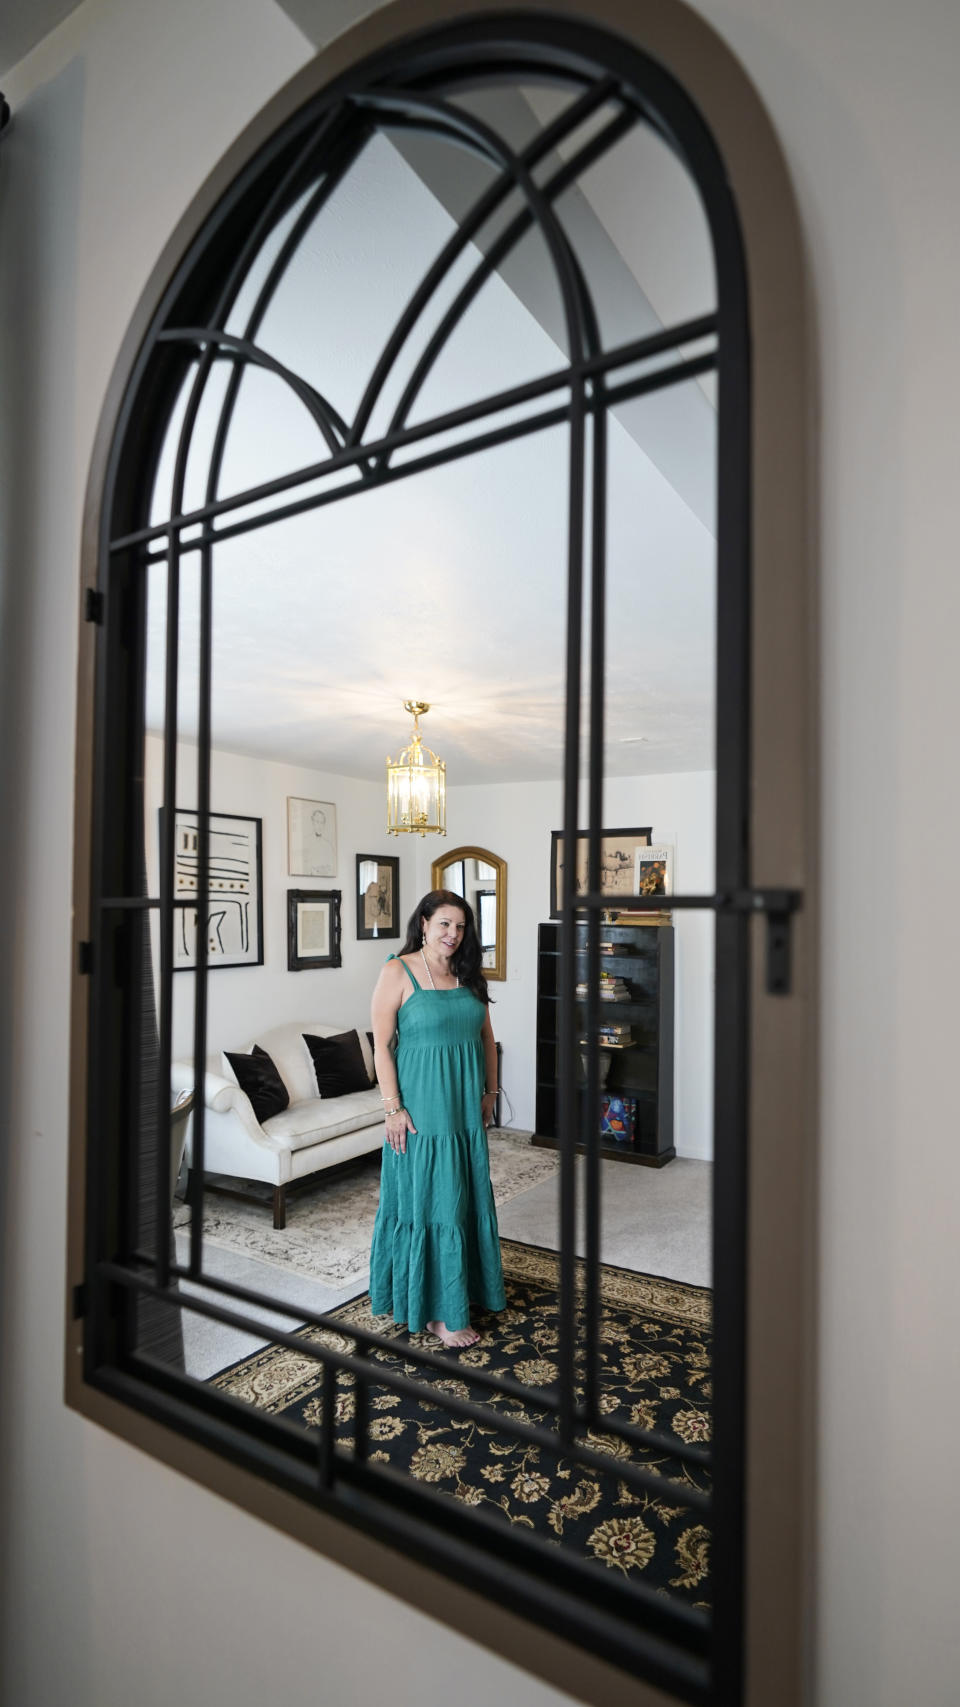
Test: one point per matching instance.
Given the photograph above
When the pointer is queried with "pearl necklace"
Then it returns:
(427, 970)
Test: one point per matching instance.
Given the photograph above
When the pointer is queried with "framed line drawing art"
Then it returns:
(234, 922)
(311, 837)
(313, 929)
(378, 896)
(618, 863)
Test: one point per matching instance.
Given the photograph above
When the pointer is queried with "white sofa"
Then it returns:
(311, 1134)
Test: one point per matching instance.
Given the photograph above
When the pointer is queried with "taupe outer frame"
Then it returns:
(784, 827)
(499, 968)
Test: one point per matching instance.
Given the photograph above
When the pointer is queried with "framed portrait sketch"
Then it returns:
(313, 929)
(311, 838)
(378, 896)
(234, 918)
(618, 864)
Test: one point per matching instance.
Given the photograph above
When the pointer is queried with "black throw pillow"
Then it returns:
(338, 1063)
(258, 1076)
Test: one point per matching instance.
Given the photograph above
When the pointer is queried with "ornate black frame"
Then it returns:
(364, 934)
(685, 1651)
(297, 962)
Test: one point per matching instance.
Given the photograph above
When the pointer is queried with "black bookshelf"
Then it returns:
(642, 957)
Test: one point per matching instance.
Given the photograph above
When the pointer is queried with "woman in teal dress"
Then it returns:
(436, 1247)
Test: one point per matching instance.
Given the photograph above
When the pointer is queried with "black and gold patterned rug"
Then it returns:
(655, 1364)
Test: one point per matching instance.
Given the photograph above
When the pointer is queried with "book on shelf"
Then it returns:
(619, 1034)
(618, 1119)
(658, 918)
(615, 989)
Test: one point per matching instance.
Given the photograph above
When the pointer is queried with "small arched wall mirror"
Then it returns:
(481, 878)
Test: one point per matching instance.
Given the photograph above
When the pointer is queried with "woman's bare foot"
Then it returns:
(458, 1338)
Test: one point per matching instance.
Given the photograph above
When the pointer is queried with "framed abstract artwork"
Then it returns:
(234, 914)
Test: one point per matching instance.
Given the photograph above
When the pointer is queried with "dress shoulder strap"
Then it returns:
(406, 969)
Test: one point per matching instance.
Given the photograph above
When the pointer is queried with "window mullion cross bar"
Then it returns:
(623, 355)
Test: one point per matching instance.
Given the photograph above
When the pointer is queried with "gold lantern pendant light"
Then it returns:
(416, 785)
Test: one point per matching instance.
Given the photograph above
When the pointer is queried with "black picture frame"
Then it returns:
(235, 897)
(313, 918)
(622, 847)
(386, 878)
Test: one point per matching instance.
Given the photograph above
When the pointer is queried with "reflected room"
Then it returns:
(376, 657)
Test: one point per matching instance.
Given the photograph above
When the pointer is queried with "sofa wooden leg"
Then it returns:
(279, 1207)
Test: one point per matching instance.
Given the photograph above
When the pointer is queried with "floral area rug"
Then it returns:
(655, 1362)
(330, 1224)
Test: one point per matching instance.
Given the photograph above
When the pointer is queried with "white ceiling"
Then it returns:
(449, 586)
(24, 23)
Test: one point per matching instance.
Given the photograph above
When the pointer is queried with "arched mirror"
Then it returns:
(481, 878)
(472, 325)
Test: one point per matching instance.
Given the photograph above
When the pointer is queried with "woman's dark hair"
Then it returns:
(467, 963)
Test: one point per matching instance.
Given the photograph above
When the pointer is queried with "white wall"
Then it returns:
(863, 93)
(118, 118)
(515, 820)
(243, 1001)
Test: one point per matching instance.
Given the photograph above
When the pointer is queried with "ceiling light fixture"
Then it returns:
(416, 785)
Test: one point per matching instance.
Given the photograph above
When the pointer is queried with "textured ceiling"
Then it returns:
(449, 585)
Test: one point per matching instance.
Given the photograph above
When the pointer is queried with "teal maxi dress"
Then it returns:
(436, 1247)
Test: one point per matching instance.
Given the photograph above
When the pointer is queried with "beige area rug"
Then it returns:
(330, 1224)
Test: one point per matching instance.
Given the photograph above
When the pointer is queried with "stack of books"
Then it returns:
(611, 989)
(614, 1036)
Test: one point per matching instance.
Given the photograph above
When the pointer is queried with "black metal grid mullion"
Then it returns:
(167, 868)
(661, 343)
(498, 252)
(633, 1475)
(467, 229)
(350, 146)
(327, 1448)
(503, 1386)
(195, 1193)
(134, 928)
(732, 1010)
(592, 1181)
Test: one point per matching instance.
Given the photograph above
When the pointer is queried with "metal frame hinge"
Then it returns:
(92, 605)
(85, 958)
(778, 905)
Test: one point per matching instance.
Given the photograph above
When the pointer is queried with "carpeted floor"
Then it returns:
(329, 1225)
(655, 1361)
